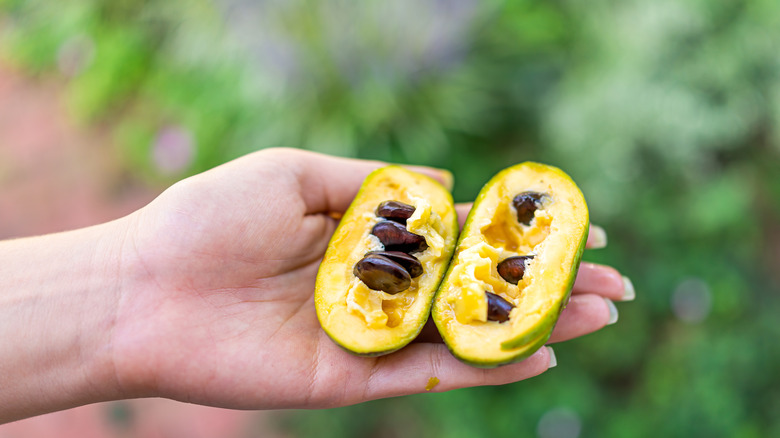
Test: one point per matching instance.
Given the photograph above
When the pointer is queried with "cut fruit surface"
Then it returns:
(531, 211)
(371, 322)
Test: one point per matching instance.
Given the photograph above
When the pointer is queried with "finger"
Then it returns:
(327, 183)
(463, 210)
(443, 176)
(603, 280)
(584, 314)
(597, 237)
(408, 371)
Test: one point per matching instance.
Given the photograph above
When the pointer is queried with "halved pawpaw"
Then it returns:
(370, 295)
(514, 266)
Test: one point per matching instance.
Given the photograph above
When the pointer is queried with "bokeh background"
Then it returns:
(666, 112)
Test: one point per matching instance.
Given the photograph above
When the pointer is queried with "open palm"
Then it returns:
(218, 303)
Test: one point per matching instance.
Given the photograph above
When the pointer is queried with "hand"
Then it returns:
(221, 309)
(206, 296)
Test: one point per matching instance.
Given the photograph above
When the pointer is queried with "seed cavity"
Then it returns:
(408, 261)
(512, 269)
(392, 270)
(395, 237)
(381, 273)
(395, 211)
(526, 204)
(498, 308)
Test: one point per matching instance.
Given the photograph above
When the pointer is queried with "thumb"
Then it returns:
(328, 184)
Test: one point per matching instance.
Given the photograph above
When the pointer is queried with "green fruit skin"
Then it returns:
(487, 364)
(534, 339)
(322, 288)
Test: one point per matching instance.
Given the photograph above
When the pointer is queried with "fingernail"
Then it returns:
(613, 312)
(553, 359)
(628, 290)
(598, 237)
(447, 180)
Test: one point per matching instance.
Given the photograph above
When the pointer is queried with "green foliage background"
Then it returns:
(666, 112)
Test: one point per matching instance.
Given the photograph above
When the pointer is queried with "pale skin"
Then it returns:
(206, 296)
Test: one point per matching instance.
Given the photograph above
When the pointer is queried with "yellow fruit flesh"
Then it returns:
(369, 321)
(493, 234)
(432, 382)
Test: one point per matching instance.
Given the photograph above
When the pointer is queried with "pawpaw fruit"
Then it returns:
(513, 267)
(385, 260)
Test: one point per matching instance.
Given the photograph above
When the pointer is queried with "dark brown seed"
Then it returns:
(498, 308)
(395, 211)
(381, 273)
(526, 204)
(409, 262)
(395, 237)
(512, 269)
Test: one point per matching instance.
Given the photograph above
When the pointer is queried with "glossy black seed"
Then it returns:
(381, 273)
(395, 237)
(512, 269)
(526, 204)
(498, 308)
(409, 262)
(395, 211)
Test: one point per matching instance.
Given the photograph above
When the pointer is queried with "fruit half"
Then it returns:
(368, 321)
(529, 210)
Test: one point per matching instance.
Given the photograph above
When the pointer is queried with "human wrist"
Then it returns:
(58, 300)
